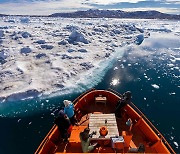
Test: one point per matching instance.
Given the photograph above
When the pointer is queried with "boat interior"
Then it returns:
(91, 110)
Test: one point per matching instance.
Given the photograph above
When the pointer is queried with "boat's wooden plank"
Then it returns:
(96, 121)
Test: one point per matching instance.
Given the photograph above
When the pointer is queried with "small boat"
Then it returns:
(120, 127)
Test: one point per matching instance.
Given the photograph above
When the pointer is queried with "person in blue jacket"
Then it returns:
(69, 111)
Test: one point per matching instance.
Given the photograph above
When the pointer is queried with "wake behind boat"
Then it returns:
(115, 125)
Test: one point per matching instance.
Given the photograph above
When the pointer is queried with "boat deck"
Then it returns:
(74, 144)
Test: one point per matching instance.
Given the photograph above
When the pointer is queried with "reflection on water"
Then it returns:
(115, 82)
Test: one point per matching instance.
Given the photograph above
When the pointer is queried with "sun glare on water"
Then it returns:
(114, 82)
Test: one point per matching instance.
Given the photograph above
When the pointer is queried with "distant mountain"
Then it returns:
(117, 14)
(1, 15)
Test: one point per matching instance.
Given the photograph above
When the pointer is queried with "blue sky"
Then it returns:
(46, 7)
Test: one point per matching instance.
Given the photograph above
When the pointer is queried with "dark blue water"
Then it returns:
(150, 71)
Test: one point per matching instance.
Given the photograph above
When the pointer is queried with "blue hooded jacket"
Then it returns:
(69, 110)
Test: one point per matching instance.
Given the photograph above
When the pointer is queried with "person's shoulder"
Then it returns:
(72, 104)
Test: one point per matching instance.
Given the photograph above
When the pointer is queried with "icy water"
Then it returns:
(150, 71)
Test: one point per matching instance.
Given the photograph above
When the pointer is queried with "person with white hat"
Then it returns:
(69, 110)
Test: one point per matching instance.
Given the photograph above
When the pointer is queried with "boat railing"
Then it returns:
(80, 96)
(152, 127)
(148, 122)
(115, 92)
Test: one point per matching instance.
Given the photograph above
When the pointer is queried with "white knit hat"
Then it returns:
(66, 102)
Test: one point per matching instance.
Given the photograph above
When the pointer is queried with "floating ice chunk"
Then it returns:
(76, 36)
(71, 27)
(71, 50)
(78, 57)
(122, 66)
(26, 34)
(115, 68)
(47, 47)
(52, 114)
(177, 68)
(4, 54)
(145, 98)
(136, 64)
(41, 42)
(65, 56)
(30, 123)
(139, 39)
(47, 100)
(25, 50)
(63, 42)
(132, 27)
(1, 33)
(19, 120)
(129, 64)
(173, 93)
(116, 31)
(24, 20)
(170, 65)
(176, 144)
(10, 21)
(155, 86)
(41, 55)
(173, 60)
(82, 50)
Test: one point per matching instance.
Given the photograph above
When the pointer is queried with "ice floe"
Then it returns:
(155, 86)
(49, 55)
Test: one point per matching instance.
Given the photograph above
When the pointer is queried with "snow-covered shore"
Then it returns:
(45, 55)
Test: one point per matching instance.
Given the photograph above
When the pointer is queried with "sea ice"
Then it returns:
(40, 42)
(1, 33)
(26, 34)
(63, 42)
(49, 55)
(47, 47)
(176, 144)
(24, 20)
(139, 39)
(77, 37)
(25, 50)
(155, 86)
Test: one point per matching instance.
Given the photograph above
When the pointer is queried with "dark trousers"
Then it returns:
(73, 120)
